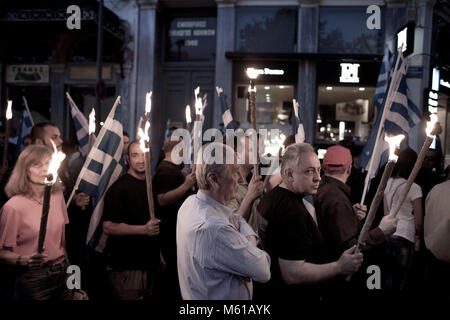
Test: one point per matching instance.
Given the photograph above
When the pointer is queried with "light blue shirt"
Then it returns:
(215, 260)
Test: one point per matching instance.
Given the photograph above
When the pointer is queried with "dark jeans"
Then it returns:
(399, 258)
(43, 283)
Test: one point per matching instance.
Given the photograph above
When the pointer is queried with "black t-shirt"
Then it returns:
(291, 234)
(168, 176)
(126, 202)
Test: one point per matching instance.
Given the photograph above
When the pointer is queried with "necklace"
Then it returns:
(37, 201)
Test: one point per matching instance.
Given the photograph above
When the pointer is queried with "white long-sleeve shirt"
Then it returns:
(215, 260)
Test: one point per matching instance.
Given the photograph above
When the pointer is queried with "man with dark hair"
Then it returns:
(170, 188)
(44, 133)
(133, 242)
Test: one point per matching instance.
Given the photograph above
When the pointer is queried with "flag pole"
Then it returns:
(388, 103)
(432, 128)
(28, 109)
(146, 149)
(252, 74)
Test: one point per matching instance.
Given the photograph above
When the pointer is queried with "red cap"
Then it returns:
(337, 158)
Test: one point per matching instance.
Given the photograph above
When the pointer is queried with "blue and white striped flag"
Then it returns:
(102, 168)
(383, 78)
(227, 117)
(81, 126)
(25, 126)
(401, 116)
(299, 130)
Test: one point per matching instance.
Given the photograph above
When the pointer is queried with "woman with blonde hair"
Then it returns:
(39, 276)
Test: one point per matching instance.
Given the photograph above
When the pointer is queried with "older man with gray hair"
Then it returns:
(216, 249)
(293, 239)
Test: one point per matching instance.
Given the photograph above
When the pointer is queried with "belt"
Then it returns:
(55, 262)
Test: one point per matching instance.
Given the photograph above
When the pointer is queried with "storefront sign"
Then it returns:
(349, 73)
(27, 73)
(435, 80)
(433, 95)
(445, 83)
(405, 39)
(191, 38)
(268, 71)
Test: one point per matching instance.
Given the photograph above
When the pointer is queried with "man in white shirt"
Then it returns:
(216, 249)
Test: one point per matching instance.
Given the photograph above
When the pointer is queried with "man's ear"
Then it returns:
(349, 170)
(39, 141)
(288, 173)
(212, 180)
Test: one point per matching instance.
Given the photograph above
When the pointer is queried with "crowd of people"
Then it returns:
(222, 231)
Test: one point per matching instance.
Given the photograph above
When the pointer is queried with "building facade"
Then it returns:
(326, 54)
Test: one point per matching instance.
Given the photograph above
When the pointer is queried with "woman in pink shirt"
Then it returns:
(39, 276)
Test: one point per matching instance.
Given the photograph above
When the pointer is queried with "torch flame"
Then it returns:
(198, 103)
(9, 110)
(296, 106)
(282, 138)
(57, 158)
(188, 114)
(92, 121)
(144, 137)
(394, 143)
(252, 73)
(431, 124)
(148, 102)
(250, 89)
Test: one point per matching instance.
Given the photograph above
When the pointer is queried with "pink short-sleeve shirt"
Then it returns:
(20, 219)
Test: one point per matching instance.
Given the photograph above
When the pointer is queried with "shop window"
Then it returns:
(273, 105)
(259, 29)
(344, 30)
(191, 39)
(345, 112)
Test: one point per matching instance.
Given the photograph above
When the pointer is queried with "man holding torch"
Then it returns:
(133, 243)
(338, 219)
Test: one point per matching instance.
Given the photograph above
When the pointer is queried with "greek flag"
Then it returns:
(383, 78)
(25, 126)
(81, 125)
(402, 115)
(299, 130)
(102, 168)
(227, 117)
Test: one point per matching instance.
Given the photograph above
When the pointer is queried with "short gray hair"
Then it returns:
(294, 155)
(209, 164)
